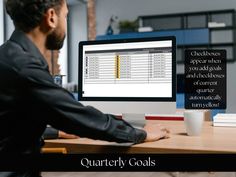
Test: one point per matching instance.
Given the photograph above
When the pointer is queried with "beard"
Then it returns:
(55, 41)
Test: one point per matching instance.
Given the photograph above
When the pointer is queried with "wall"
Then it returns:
(9, 27)
(1, 23)
(131, 9)
(77, 31)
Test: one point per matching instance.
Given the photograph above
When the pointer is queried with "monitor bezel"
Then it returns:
(113, 41)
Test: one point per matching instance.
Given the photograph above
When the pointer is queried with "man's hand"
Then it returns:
(64, 135)
(155, 132)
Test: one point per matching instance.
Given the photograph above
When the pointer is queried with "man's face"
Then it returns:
(56, 38)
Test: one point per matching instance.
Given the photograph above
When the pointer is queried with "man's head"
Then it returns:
(48, 15)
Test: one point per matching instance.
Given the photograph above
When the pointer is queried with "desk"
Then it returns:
(212, 140)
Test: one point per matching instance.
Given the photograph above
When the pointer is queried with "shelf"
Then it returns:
(191, 31)
(223, 44)
(223, 28)
(208, 45)
(221, 35)
(183, 37)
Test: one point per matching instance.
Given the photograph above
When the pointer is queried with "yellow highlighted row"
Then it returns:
(117, 68)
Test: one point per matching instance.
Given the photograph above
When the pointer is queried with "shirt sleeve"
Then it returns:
(63, 112)
(50, 133)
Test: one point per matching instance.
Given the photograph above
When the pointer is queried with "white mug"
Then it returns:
(193, 120)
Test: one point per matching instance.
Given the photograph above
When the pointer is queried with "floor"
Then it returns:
(138, 174)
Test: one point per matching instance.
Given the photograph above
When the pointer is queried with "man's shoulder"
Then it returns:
(12, 54)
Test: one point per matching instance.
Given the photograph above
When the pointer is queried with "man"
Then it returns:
(29, 99)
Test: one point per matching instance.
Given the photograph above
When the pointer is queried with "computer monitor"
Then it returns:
(129, 75)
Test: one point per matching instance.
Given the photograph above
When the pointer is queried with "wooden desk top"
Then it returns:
(212, 140)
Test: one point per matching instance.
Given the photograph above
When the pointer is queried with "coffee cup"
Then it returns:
(193, 120)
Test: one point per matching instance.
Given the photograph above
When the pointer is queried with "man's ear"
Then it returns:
(51, 18)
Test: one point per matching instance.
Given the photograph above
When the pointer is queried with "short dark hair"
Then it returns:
(28, 14)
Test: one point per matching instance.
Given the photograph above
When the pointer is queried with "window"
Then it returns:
(1, 23)
(63, 62)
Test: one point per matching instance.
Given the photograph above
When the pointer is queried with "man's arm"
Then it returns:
(64, 113)
(52, 133)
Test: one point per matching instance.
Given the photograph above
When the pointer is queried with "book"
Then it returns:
(224, 124)
(177, 117)
(145, 29)
(224, 117)
(225, 120)
(216, 25)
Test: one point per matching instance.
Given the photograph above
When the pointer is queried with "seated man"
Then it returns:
(29, 98)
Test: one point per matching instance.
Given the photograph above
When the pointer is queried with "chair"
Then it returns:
(54, 150)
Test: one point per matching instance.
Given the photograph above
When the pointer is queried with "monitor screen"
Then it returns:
(142, 69)
(130, 77)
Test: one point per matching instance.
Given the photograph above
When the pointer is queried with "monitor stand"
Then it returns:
(137, 120)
